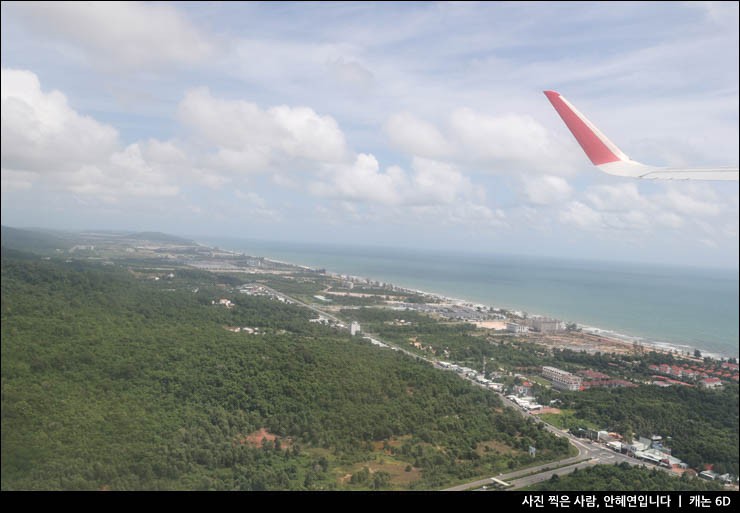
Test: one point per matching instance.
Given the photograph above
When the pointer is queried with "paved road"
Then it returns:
(589, 453)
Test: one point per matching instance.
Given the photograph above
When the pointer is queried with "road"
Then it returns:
(589, 453)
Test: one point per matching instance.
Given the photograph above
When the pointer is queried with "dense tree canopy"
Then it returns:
(110, 380)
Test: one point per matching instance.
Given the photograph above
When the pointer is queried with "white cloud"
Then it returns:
(41, 133)
(615, 197)
(363, 181)
(255, 205)
(416, 137)
(503, 141)
(307, 135)
(432, 182)
(511, 143)
(692, 207)
(246, 160)
(125, 173)
(129, 35)
(43, 136)
(462, 213)
(437, 182)
(581, 216)
(249, 139)
(691, 204)
(209, 178)
(351, 73)
(546, 190)
(16, 180)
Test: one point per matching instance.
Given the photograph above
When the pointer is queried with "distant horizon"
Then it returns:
(456, 251)
(441, 251)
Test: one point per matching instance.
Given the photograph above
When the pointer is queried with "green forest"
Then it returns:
(702, 424)
(112, 381)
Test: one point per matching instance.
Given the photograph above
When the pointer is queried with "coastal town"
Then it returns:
(335, 292)
(522, 390)
(537, 365)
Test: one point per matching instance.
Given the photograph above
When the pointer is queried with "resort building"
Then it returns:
(545, 324)
(561, 379)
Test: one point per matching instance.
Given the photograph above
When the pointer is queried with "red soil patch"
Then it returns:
(546, 410)
(256, 438)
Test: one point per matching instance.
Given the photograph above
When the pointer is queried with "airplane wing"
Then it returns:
(605, 155)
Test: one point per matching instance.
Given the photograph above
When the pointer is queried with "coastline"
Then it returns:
(610, 340)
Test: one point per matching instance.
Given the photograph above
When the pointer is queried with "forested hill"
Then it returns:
(47, 241)
(113, 382)
(34, 240)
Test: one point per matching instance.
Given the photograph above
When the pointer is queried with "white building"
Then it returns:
(226, 303)
(545, 324)
(354, 328)
(513, 327)
(561, 379)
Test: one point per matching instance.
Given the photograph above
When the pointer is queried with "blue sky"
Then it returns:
(403, 124)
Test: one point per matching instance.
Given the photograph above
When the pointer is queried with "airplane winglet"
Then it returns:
(605, 155)
(599, 149)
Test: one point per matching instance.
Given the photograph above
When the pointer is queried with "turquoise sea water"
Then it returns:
(687, 307)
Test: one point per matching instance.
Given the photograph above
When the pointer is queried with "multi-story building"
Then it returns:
(545, 324)
(561, 379)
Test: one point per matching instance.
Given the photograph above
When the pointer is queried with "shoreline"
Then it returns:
(620, 339)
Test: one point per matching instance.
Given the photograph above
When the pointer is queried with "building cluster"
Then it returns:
(454, 311)
(349, 282)
(710, 475)
(650, 450)
(705, 376)
(224, 302)
(525, 403)
(594, 379)
(586, 379)
(472, 375)
(260, 290)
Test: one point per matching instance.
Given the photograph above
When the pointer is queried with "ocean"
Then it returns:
(687, 308)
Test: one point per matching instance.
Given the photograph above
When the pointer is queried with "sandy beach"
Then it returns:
(590, 338)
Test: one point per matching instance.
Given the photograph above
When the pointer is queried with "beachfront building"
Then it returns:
(513, 327)
(561, 379)
(545, 324)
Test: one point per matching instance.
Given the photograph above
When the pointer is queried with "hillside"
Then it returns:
(38, 241)
(115, 382)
